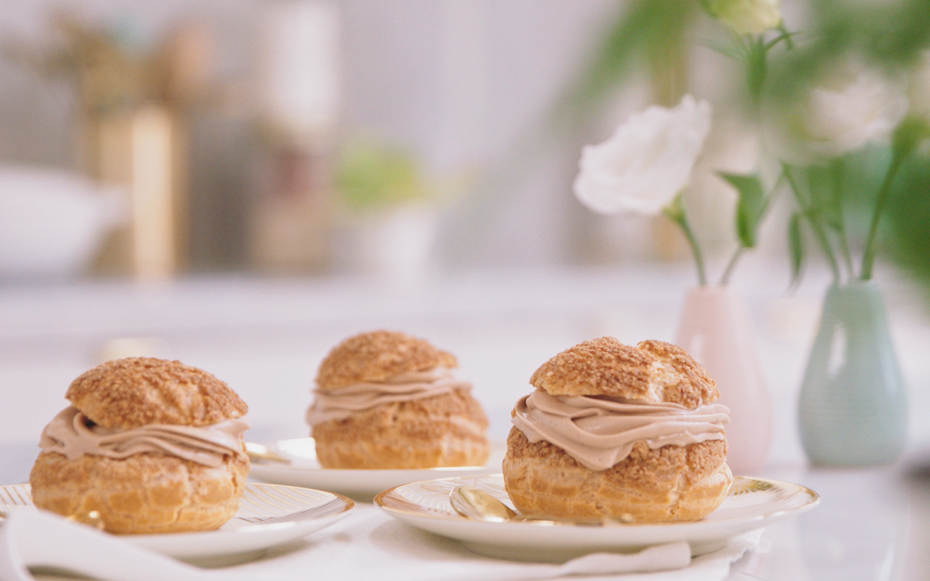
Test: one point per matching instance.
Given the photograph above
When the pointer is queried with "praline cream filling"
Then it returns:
(341, 403)
(72, 434)
(600, 431)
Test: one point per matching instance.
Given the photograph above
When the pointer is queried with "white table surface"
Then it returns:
(266, 337)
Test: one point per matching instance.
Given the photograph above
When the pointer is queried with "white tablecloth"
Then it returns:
(266, 338)
(371, 545)
(366, 545)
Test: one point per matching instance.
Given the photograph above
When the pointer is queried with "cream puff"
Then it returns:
(153, 446)
(386, 400)
(619, 432)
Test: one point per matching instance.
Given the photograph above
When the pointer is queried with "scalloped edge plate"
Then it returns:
(268, 515)
(752, 503)
(305, 470)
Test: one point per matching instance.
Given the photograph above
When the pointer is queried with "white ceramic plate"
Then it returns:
(751, 504)
(268, 515)
(305, 470)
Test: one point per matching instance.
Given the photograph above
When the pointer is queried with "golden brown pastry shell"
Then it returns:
(671, 483)
(377, 356)
(143, 493)
(439, 431)
(651, 372)
(137, 391)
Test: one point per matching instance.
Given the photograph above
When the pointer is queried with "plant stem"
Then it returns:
(725, 279)
(837, 202)
(678, 216)
(815, 224)
(756, 68)
(868, 257)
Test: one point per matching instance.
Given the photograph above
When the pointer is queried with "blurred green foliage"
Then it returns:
(889, 34)
(648, 36)
(373, 176)
(908, 216)
(653, 38)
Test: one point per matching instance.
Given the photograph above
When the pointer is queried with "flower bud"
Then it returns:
(746, 16)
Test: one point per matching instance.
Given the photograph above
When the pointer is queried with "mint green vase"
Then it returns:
(853, 408)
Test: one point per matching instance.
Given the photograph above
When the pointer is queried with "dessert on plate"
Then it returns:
(615, 432)
(386, 400)
(153, 446)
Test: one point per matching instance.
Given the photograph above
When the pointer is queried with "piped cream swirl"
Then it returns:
(341, 403)
(599, 432)
(72, 434)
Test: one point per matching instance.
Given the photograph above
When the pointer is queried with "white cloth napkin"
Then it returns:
(38, 539)
(371, 545)
(366, 545)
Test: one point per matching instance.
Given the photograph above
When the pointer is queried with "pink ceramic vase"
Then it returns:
(716, 330)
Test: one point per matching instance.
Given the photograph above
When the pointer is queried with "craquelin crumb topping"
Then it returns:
(653, 371)
(137, 391)
(376, 356)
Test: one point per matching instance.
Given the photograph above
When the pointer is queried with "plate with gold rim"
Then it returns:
(751, 504)
(268, 515)
(294, 462)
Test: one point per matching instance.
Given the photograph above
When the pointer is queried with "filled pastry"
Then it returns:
(619, 432)
(386, 400)
(152, 446)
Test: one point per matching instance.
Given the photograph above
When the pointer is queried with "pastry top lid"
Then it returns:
(137, 391)
(651, 372)
(378, 356)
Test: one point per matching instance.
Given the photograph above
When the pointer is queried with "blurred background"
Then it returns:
(243, 183)
(287, 136)
(311, 137)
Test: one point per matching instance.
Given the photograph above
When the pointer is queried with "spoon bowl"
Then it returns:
(262, 454)
(476, 504)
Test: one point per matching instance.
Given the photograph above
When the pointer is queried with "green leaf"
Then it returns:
(908, 215)
(749, 207)
(726, 50)
(643, 26)
(784, 36)
(795, 247)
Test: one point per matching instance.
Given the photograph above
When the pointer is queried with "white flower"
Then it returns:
(647, 161)
(840, 119)
(863, 111)
(747, 16)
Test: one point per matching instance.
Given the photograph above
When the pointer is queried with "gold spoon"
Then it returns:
(477, 504)
(261, 453)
